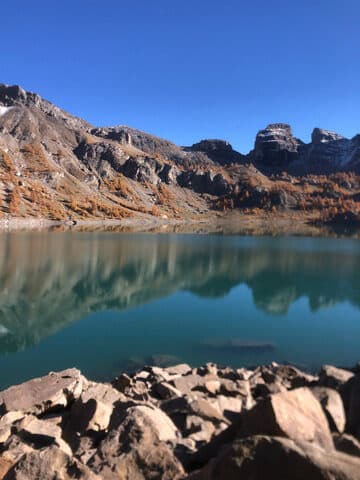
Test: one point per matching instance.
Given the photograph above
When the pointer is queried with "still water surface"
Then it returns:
(108, 302)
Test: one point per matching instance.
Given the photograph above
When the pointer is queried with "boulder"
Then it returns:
(188, 382)
(161, 423)
(49, 464)
(6, 422)
(93, 409)
(39, 395)
(292, 377)
(333, 407)
(165, 390)
(122, 382)
(134, 451)
(295, 414)
(40, 433)
(199, 430)
(333, 377)
(276, 458)
(229, 407)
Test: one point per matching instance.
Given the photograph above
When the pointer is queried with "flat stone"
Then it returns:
(333, 377)
(180, 369)
(188, 382)
(42, 394)
(143, 375)
(295, 414)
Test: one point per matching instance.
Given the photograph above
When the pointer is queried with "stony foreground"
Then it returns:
(207, 423)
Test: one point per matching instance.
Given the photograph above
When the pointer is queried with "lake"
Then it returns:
(112, 302)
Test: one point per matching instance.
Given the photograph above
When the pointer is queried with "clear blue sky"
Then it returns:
(190, 69)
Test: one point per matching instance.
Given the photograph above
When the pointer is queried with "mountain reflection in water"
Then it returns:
(48, 281)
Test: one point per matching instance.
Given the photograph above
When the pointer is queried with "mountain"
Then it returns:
(276, 148)
(54, 165)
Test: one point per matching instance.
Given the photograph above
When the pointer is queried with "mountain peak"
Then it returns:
(11, 95)
(319, 135)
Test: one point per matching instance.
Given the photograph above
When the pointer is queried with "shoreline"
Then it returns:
(281, 223)
(200, 420)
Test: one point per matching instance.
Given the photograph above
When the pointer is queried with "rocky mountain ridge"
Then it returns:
(54, 165)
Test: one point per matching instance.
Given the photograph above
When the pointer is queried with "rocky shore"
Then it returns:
(206, 423)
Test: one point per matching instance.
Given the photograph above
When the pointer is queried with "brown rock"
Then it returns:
(5, 465)
(188, 382)
(333, 407)
(275, 458)
(204, 409)
(15, 448)
(202, 429)
(212, 386)
(42, 394)
(122, 382)
(134, 451)
(229, 407)
(292, 377)
(235, 388)
(49, 464)
(161, 423)
(93, 410)
(40, 433)
(10, 417)
(333, 377)
(295, 414)
(180, 369)
(165, 390)
(263, 389)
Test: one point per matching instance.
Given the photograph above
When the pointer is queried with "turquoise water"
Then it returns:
(109, 302)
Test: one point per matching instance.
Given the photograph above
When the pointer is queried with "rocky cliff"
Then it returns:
(54, 165)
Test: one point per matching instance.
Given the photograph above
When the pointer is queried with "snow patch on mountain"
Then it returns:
(4, 110)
